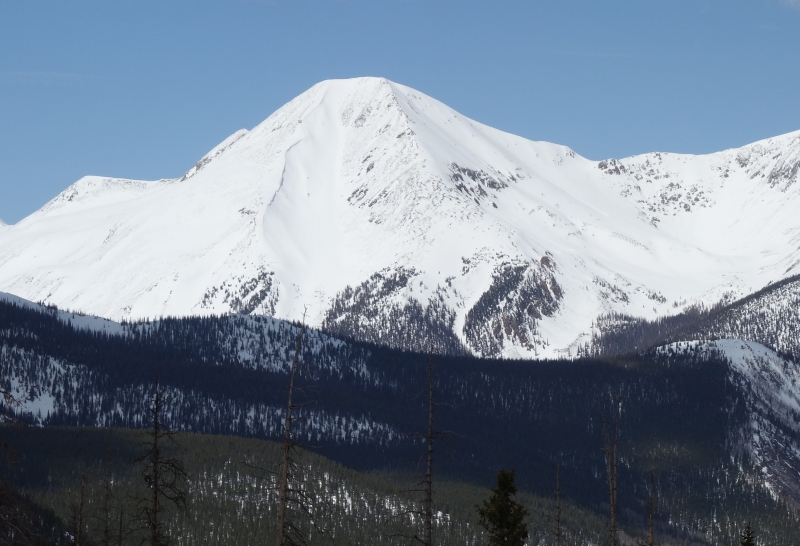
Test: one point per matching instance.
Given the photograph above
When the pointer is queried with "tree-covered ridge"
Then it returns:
(684, 414)
(770, 316)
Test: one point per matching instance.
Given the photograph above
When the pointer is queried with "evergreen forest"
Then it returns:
(79, 407)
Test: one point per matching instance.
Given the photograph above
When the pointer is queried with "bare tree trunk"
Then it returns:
(424, 485)
(162, 475)
(79, 523)
(428, 480)
(288, 445)
(611, 449)
(651, 539)
(558, 533)
(106, 516)
(155, 458)
(119, 535)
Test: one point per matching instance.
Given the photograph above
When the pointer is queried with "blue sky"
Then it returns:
(142, 89)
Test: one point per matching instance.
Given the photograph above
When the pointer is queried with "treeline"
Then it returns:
(370, 313)
(770, 316)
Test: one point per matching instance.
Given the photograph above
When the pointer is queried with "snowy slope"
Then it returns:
(771, 385)
(770, 317)
(77, 320)
(382, 211)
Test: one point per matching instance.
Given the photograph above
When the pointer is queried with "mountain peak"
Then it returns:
(391, 217)
(94, 191)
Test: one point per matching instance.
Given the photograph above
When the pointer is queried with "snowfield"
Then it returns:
(369, 204)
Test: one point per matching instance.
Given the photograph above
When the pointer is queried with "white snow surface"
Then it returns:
(357, 176)
(772, 378)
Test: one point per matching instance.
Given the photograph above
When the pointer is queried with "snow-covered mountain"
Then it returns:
(389, 217)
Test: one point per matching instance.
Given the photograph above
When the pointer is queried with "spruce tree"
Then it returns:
(502, 516)
(748, 539)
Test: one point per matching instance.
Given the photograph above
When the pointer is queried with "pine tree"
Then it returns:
(748, 539)
(502, 516)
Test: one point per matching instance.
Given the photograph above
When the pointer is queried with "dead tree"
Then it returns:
(108, 497)
(120, 534)
(427, 479)
(651, 537)
(163, 476)
(558, 511)
(294, 497)
(425, 484)
(107, 494)
(611, 450)
(288, 532)
(78, 515)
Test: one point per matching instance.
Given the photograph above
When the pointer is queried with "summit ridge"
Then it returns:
(394, 219)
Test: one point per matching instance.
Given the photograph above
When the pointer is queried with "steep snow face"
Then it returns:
(378, 211)
(771, 386)
(773, 380)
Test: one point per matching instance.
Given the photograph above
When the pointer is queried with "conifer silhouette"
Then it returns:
(502, 516)
(748, 539)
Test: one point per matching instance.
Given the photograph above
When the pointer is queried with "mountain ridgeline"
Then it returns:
(386, 217)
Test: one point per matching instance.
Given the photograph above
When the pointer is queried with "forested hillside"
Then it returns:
(686, 415)
(231, 497)
(770, 316)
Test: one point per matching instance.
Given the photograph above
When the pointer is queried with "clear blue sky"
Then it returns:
(142, 89)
